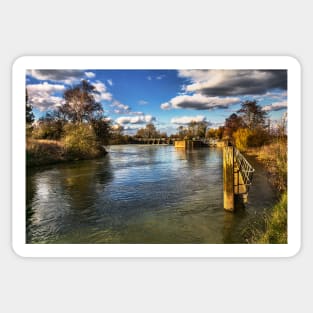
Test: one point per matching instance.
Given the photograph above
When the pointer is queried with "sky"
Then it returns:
(167, 98)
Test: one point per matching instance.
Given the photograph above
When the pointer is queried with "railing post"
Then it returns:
(228, 178)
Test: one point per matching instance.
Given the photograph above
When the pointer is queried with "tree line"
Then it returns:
(81, 115)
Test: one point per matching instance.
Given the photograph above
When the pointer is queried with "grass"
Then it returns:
(273, 227)
(276, 224)
(43, 152)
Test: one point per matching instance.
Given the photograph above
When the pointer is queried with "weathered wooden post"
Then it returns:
(228, 177)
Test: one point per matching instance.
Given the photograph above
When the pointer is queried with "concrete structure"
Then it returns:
(188, 144)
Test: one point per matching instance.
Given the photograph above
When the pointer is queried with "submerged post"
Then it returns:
(228, 178)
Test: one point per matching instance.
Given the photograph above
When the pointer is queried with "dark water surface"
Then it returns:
(138, 194)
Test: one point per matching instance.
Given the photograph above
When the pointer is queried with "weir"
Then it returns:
(237, 178)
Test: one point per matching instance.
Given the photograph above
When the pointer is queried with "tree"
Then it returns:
(80, 104)
(252, 115)
(148, 132)
(29, 111)
(197, 129)
(49, 126)
(182, 132)
(101, 127)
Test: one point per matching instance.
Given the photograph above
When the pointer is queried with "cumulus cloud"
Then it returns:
(166, 106)
(65, 76)
(102, 94)
(42, 96)
(234, 82)
(276, 106)
(184, 120)
(199, 102)
(110, 82)
(120, 108)
(140, 119)
(90, 74)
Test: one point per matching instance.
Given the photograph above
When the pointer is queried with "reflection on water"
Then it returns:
(136, 194)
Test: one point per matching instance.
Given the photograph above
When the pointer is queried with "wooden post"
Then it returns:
(228, 178)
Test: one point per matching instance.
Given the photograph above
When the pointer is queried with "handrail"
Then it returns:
(244, 168)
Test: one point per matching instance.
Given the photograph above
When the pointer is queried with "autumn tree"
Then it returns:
(252, 115)
(80, 104)
(148, 132)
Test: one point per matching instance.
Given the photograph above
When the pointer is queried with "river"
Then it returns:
(139, 194)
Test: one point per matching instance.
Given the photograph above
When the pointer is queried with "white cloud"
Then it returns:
(110, 82)
(90, 74)
(143, 102)
(166, 106)
(103, 94)
(234, 82)
(149, 77)
(199, 102)
(120, 108)
(276, 106)
(42, 96)
(140, 119)
(65, 76)
(187, 119)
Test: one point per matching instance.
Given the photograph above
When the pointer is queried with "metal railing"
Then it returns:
(245, 169)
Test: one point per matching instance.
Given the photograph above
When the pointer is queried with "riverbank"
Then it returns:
(44, 152)
(273, 227)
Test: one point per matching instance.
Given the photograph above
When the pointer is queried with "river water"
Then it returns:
(139, 194)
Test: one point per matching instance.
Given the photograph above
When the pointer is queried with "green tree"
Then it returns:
(80, 104)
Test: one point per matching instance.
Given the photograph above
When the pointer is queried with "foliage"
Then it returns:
(245, 138)
(80, 104)
(241, 138)
(276, 224)
(42, 152)
(80, 141)
(148, 132)
(194, 130)
(29, 111)
(252, 115)
(273, 227)
(232, 123)
(101, 127)
(215, 133)
(49, 127)
(274, 157)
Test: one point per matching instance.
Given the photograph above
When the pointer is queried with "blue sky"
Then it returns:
(168, 98)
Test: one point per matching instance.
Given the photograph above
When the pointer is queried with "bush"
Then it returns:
(245, 138)
(241, 137)
(48, 130)
(80, 141)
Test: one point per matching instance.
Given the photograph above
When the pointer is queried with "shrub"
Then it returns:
(48, 130)
(80, 141)
(241, 137)
(245, 138)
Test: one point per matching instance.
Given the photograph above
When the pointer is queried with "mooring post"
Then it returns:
(228, 178)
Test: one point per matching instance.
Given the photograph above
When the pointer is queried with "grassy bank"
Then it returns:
(273, 229)
(44, 152)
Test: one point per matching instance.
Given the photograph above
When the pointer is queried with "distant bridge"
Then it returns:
(154, 141)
